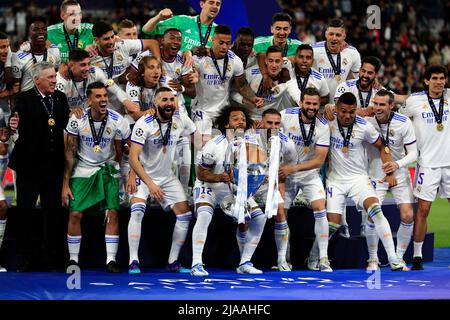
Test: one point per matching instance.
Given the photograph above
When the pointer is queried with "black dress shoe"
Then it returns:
(417, 263)
(112, 267)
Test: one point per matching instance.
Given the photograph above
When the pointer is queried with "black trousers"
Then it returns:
(48, 187)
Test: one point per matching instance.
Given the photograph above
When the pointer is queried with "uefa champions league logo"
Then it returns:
(373, 20)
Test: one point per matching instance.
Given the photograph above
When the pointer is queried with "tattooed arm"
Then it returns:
(71, 148)
(247, 92)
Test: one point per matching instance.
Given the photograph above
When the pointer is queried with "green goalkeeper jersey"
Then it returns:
(57, 36)
(188, 25)
(262, 43)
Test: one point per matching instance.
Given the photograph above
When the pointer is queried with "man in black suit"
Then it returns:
(38, 159)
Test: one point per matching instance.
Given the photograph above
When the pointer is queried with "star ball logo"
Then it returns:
(373, 20)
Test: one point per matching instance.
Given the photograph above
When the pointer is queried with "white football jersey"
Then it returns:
(401, 134)
(288, 152)
(350, 62)
(431, 143)
(351, 86)
(212, 92)
(22, 61)
(123, 49)
(291, 127)
(116, 128)
(76, 90)
(315, 79)
(345, 167)
(141, 95)
(156, 159)
(281, 96)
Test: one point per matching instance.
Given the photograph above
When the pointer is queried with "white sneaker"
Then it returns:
(284, 266)
(312, 263)
(397, 265)
(2, 269)
(199, 271)
(324, 265)
(373, 264)
(247, 268)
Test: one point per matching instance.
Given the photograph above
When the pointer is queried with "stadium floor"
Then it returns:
(432, 283)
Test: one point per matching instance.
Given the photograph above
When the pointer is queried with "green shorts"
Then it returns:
(97, 193)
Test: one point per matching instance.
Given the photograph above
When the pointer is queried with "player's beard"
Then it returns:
(164, 112)
(305, 113)
(369, 83)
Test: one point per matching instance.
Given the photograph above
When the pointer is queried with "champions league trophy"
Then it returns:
(249, 161)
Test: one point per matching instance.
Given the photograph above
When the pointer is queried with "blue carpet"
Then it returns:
(432, 283)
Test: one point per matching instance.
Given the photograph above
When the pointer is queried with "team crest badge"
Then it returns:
(119, 57)
(108, 130)
(353, 134)
(178, 71)
(345, 61)
(418, 188)
(321, 61)
(391, 132)
(85, 131)
(175, 126)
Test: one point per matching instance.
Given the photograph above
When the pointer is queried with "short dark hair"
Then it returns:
(3, 35)
(347, 98)
(224, 118)
(384, 93)
(435, 69)
(272, 49)
(304, 46)
(271, 111)
(162, 89)
(336, 23)
(245, 31)
(100, 28)
(125, 23)
(373, 61)
(309, 92)
(170, 30)
(67, 3)
(223, 29)
(78, 55)
(281, 16)
(94, 85)
(37, 19)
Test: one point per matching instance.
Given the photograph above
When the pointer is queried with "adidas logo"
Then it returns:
(188, 31)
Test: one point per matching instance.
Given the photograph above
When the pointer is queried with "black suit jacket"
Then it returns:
(39, 146)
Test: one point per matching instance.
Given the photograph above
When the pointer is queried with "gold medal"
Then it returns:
(109, 82)
(97, 149)
(337, 77)
(164, 149)
(439, 127)
(345, 150)
(387, 150)
(306, 150)
(51, 122)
